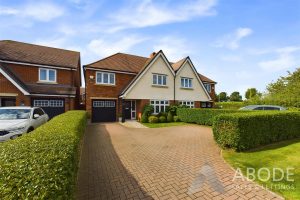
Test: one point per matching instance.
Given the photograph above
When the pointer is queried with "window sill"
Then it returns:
(187, 88)
(160, 86)
(103, 84)
(47, 82)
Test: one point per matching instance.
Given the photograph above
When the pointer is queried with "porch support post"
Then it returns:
(123, 111)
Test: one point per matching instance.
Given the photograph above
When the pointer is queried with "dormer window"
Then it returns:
(186, 82)
(159, 79)
(47, 75)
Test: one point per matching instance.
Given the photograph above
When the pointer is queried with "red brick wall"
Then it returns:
(105, 91)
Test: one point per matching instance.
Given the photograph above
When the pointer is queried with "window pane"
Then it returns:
(186, 82)
(43, 74)
(157, 102)
(162, 102)
(162, 109)
(190, 83)
(51, 75)
(167, 102)
(152, 102)
(159, 81)
(105, 78)
(111, 78)
(164, 80)
(182, 82)
(99, 77)
(154, 79)
(156, 109)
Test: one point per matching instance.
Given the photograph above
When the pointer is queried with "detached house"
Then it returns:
(34, 75)
(123, 84)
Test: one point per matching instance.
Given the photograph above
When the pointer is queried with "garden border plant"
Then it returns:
(44, 163)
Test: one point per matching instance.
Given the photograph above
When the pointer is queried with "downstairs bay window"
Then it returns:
(159, 105)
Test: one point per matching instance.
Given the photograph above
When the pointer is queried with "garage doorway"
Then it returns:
(52, 107)
(7, 101)
(104, 110)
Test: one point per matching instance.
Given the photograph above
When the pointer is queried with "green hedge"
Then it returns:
(230, 105)
(202, 116)
(43, 164)
(242, 131)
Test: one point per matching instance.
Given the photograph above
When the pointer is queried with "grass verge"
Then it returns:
(161, 125)
(281, 155)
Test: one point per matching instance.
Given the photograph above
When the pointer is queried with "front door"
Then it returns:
(130, 109)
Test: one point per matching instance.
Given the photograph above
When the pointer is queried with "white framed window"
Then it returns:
(159, 105)
(207, 87)
(159, 79)
(48, 103)
(47, 75)
(186, 82)
(105, 78)
(189, 104)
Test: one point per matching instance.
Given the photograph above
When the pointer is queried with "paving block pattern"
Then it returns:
(181, 162)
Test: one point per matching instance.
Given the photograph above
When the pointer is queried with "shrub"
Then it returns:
(242, 131)
(202, 116)
(153, 119)
(176, 119)
(170, 117)
(147, 111)
(162, 119)
(43, 164)
(162, 114)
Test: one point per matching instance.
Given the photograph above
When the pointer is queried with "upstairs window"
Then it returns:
(207, 87)
(186, 82)
(47, 75)
(105, 78)
(159, 79)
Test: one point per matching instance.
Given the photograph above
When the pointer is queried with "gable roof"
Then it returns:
(205, 79)
(144, 68)
(35, 88)
(35, 54)
(178, 64)
(121, 62)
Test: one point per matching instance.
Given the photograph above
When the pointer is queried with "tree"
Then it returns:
(223, 96)
(235, 96)
(251, 92)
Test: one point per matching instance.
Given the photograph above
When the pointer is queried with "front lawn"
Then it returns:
(160, 125)
(280, 155)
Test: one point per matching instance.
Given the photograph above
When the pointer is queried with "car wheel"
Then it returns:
(30, 129)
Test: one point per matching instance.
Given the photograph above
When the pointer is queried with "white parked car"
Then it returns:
(262, 107)
(15, 121)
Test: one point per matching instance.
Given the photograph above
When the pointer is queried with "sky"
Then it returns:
(238, 43)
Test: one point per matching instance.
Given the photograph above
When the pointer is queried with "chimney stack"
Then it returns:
(152, 54)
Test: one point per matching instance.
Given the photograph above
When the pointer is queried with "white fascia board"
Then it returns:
(14, 83)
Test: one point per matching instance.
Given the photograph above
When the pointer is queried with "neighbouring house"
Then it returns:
(122, 84)
(33, 75)
(210, 87)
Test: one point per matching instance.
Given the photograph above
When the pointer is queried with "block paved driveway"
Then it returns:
(180, 162)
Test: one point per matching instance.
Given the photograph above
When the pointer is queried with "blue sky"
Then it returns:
(238, 43)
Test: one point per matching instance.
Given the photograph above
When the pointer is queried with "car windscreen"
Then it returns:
(13, 114)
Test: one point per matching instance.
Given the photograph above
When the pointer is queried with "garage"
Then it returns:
(52, 107)
(103, 110)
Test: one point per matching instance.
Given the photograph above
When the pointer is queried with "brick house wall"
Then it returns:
(98, 91)
(30, 74)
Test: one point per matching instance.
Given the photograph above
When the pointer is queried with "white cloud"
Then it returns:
(175, 48)
(232, 40)
(149, 13)
(103, 47)
(37, 11)
(284, 59)
(8, 11)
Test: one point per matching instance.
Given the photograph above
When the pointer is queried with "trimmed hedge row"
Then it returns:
(44, 163)
(202, 116)
(230, 105)
(242, 131)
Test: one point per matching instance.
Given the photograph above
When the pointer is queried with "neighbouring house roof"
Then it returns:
(205, 79)
(35, 54)
(35, 88)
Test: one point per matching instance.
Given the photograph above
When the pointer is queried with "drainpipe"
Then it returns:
(174, 88)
